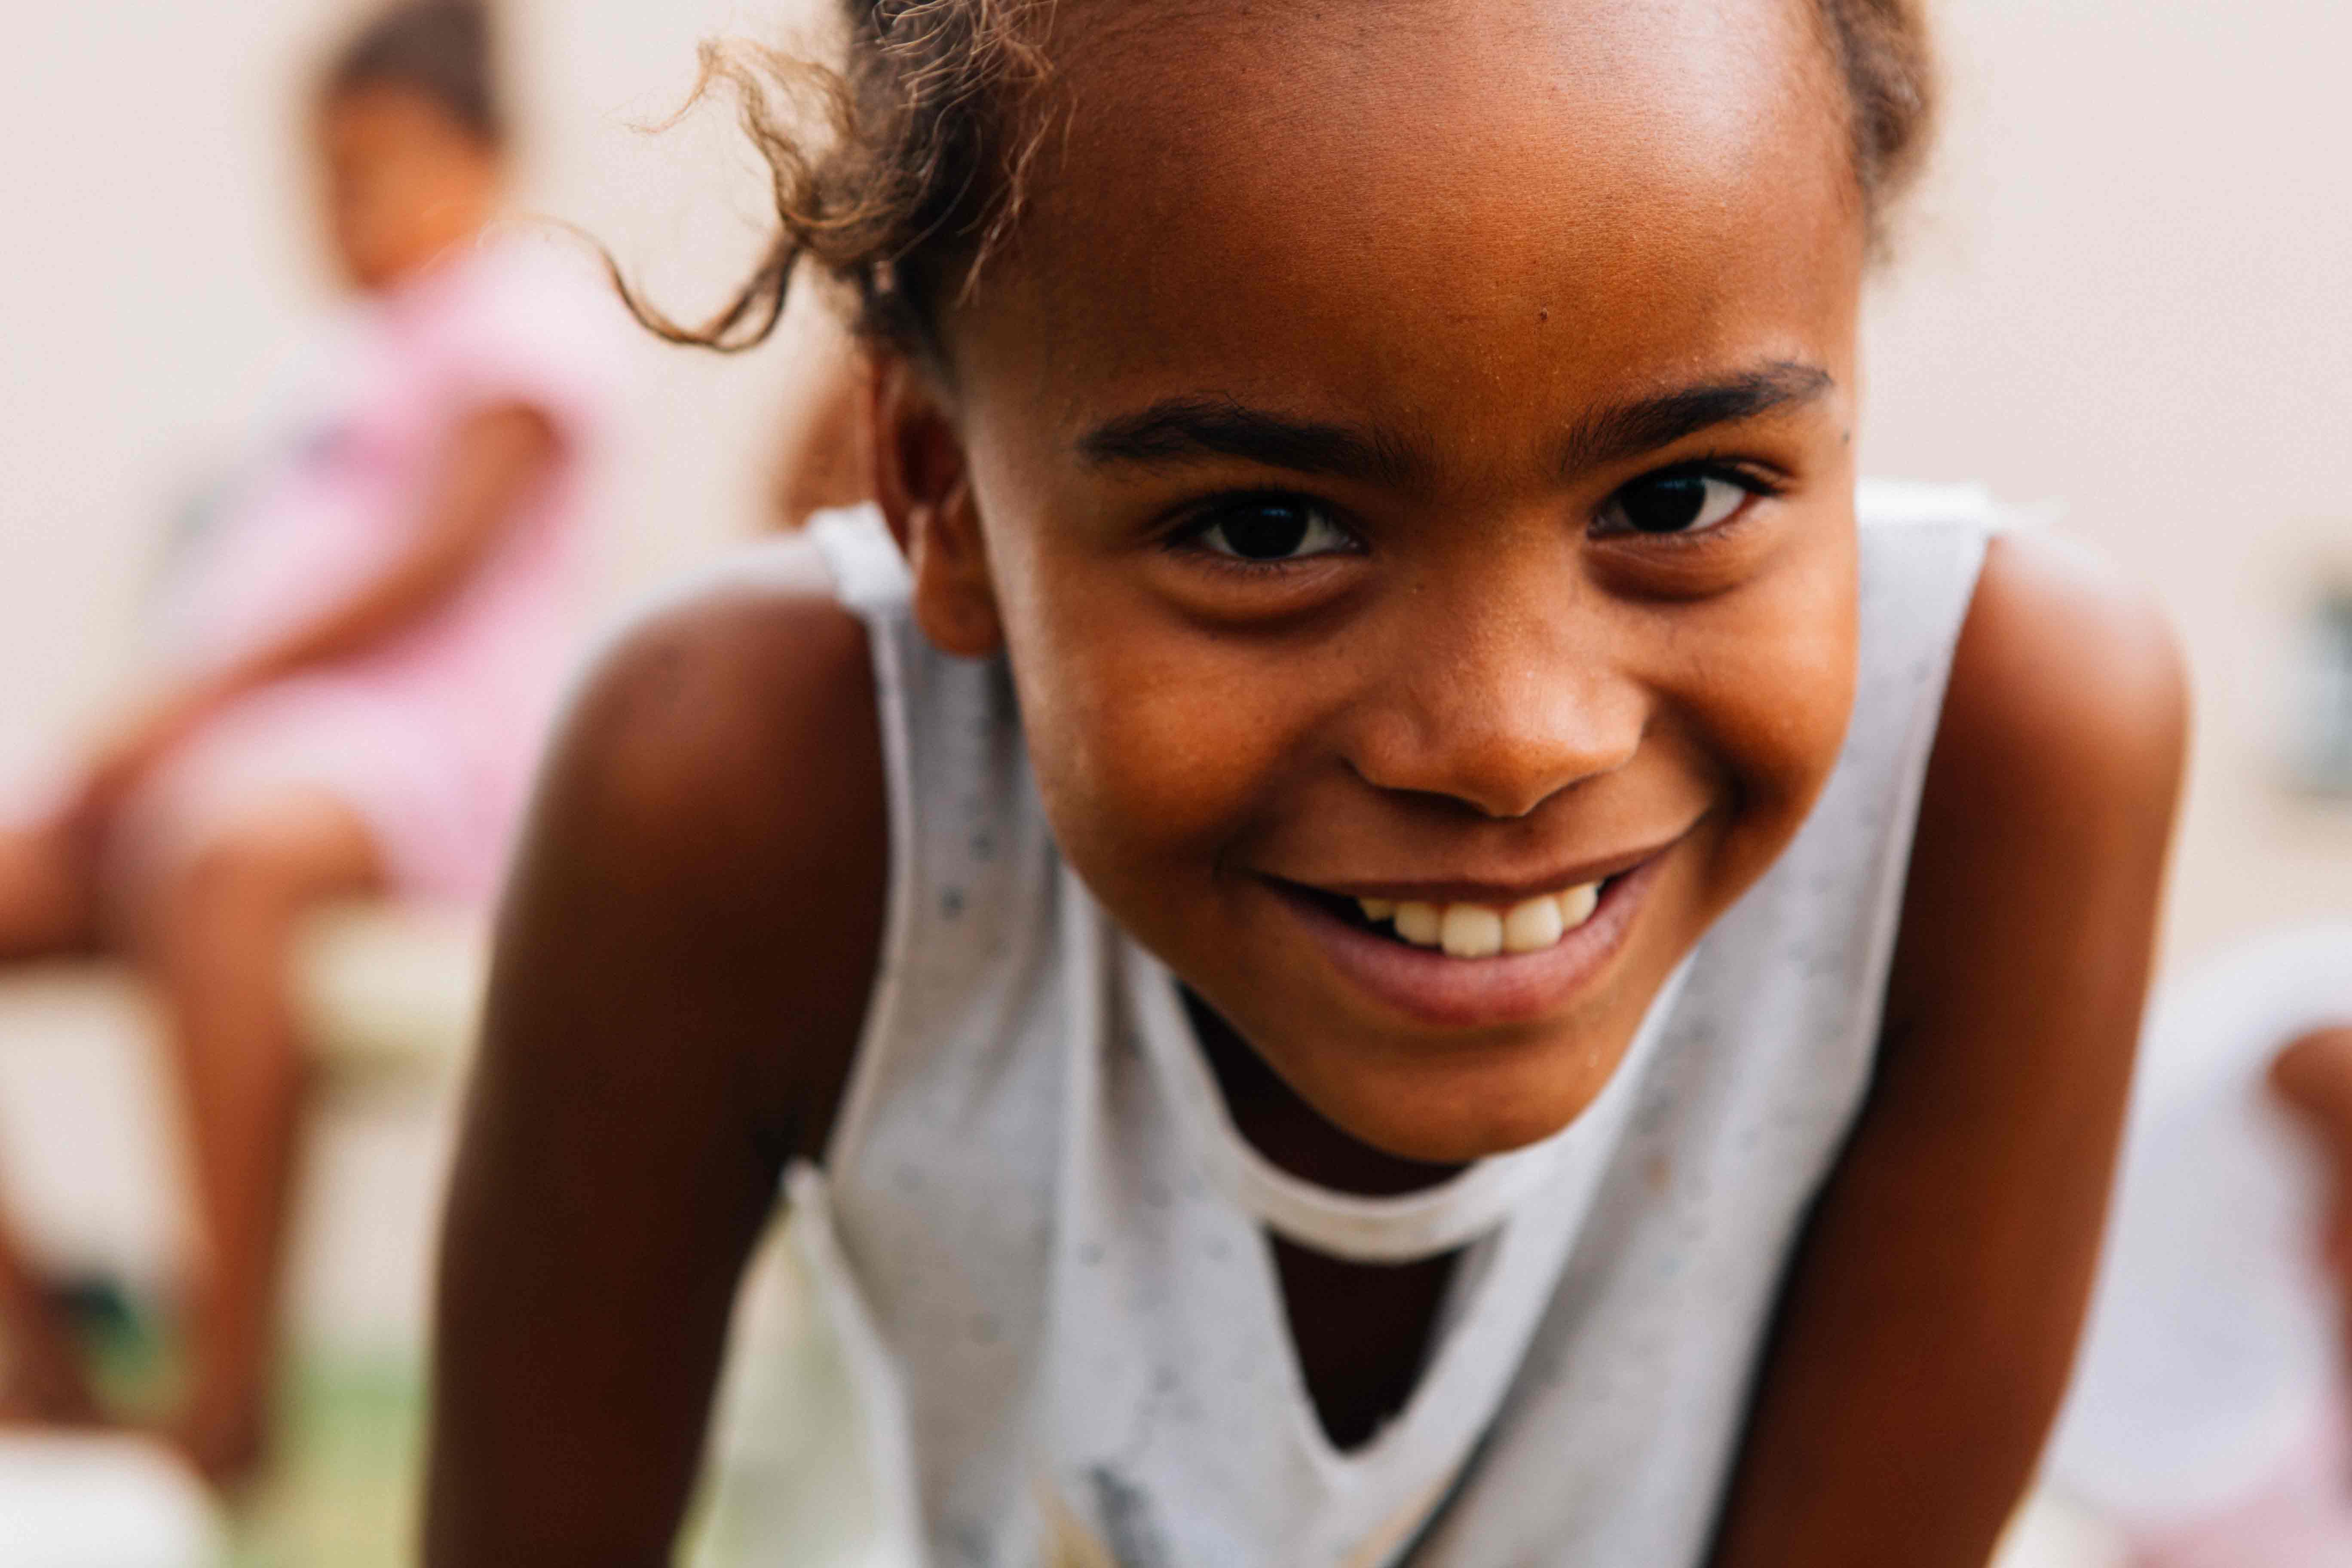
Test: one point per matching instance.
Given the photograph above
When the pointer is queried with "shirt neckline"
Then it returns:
(1406, 1227)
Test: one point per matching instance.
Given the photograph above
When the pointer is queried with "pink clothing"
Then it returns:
(2301, 1518)
(432, 736)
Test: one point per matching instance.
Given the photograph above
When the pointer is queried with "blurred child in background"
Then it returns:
(357, 653)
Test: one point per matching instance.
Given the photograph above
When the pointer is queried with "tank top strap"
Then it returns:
(972, 898)
(870, 574)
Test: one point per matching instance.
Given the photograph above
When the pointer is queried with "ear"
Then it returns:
(923, 484)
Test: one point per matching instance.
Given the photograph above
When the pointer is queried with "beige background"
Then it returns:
(2121, 295)
(2124, 293)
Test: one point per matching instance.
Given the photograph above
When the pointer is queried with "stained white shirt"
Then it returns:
(1044, 1246)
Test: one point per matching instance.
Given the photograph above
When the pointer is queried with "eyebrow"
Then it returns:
(1630, 429)
(1179, 430)
(1189, 429)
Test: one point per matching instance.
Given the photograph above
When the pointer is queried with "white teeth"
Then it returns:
(1533, 926)
(1475, 930)
(1417, 923)
(1470, 930)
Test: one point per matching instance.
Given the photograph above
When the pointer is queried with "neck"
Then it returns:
(1290, 1132)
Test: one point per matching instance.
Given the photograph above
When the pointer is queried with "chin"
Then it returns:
(1491, 1113)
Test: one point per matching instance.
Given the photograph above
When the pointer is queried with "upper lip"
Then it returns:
(1498, 894)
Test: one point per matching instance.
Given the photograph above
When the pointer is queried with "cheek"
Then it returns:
(1152, 745)
(1772, 690)
(1152, 752)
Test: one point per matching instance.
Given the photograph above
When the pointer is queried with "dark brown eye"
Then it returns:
(1272, 529)
(1682, 500)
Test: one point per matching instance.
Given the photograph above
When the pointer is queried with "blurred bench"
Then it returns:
(92, 1155)
(380, 989)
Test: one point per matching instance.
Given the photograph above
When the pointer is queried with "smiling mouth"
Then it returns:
(1471, 930)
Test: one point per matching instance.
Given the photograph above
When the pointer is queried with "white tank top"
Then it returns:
(1044, 1245)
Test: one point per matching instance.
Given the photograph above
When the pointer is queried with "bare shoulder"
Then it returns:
(2050, 791)
(2067, 685)
(711, 715)
(712, 818)
(2056, 766)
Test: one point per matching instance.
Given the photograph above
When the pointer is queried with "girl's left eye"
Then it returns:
(1679, 500)
(1271, 529)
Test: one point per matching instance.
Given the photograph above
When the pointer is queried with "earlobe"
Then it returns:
(924, 486)
(955, 601)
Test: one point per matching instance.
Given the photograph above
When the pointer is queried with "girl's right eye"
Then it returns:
(1691, 499)
(1269, 530)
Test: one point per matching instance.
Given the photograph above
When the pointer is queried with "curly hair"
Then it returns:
(922, 169)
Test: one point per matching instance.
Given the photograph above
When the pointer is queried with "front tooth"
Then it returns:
(1577, 904)
(1533, 926)
(1377, 909)
(1471, 930)
(1417, 923)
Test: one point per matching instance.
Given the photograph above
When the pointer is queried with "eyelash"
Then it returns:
(1187, 535)
(1760, 482)
(1745, 472)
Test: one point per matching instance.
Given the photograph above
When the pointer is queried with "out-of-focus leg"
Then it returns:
(46, 906)
(41, 1377)
(218, 938)
(47, 902)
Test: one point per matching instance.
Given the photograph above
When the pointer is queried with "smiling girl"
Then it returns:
(1374, 931)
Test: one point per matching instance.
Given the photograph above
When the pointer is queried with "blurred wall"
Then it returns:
(2124, 291)
(2121, 292)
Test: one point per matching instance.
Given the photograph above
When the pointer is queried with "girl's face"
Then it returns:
(404, 183)
(1407, 452)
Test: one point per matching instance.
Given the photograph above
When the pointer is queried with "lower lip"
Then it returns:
(1481, 993)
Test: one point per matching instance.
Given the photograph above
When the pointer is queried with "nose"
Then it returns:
(1500, 697)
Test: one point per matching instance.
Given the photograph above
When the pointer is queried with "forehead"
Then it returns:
(1398, 204)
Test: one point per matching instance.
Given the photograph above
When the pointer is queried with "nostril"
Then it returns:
(1492, 768)
(1455, 800)
(1487, 794)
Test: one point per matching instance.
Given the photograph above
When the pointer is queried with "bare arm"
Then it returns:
(1928, 1322)
(682, 971)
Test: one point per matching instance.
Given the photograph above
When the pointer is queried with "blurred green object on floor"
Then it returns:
(343, 1490)
(345, 1487)
(342, 1486)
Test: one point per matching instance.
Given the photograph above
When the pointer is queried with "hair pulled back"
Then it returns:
(921, 172)
(441, 48)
